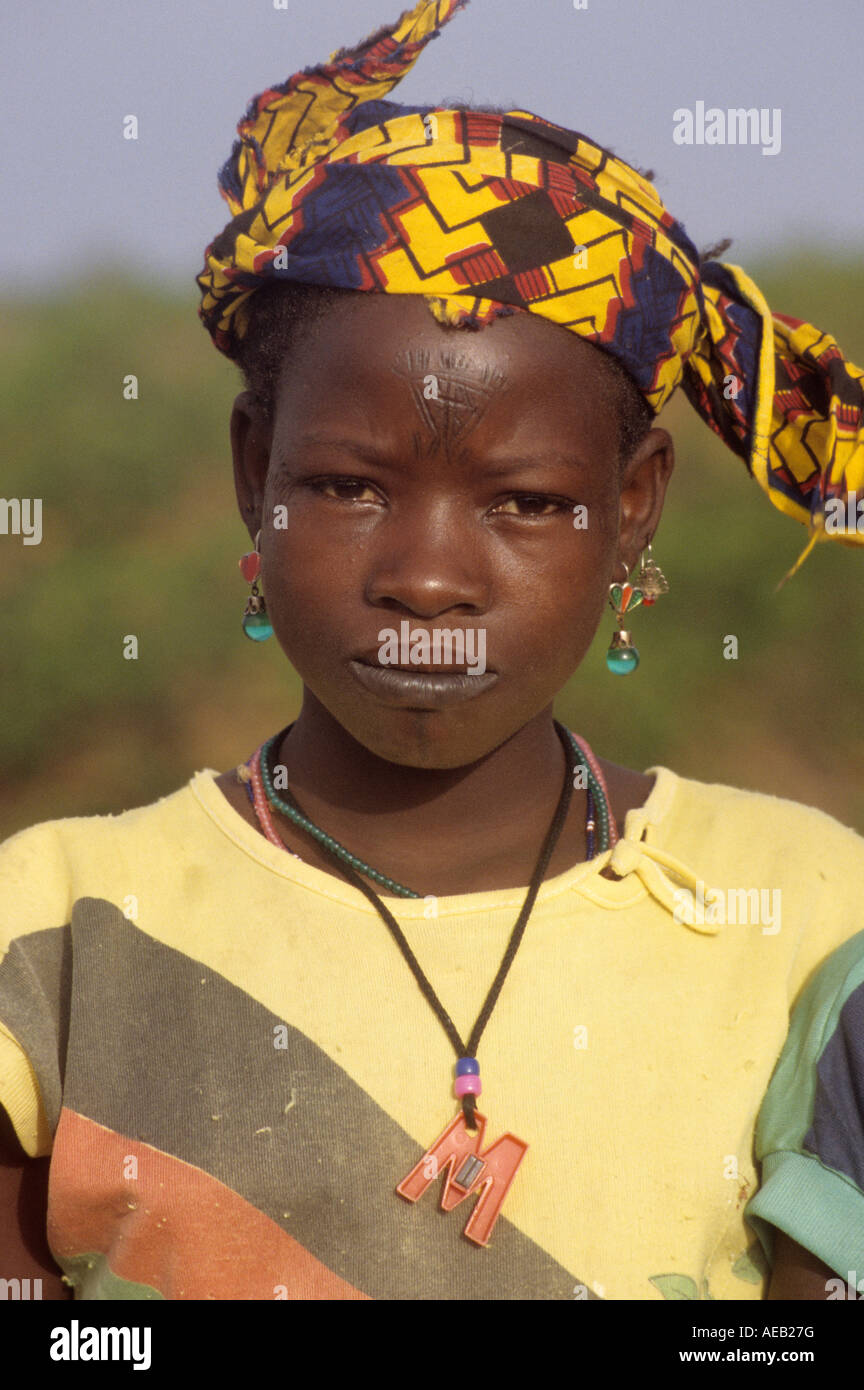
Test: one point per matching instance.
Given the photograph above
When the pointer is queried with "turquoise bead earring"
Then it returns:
(256, 623)
(622, 657)
(651, 584)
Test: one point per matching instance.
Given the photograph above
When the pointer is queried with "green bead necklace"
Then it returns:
(292, 811)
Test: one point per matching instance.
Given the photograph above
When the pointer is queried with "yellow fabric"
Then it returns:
(21, 1099)
(635, 1138)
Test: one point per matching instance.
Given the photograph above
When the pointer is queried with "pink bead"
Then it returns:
(467, 1086)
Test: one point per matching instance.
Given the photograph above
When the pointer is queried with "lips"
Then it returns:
(428, 668)
(417, 687)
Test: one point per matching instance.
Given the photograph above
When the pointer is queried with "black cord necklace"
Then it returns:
(458, 1148)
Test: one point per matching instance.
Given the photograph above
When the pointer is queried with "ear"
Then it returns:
(643, 492)
(250, 449)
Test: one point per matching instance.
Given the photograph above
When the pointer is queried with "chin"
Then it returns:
(438, 740)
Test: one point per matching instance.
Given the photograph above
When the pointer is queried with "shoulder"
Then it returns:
(45, 867)
(52, 838)
(794, 868)
(757, 823)
(836, 988)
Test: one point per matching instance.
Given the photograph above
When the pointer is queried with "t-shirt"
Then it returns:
(810, 1134)
(233, 1068)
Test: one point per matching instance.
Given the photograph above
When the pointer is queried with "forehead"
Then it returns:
(367, 356)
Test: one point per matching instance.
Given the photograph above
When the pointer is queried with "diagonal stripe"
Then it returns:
(93, 1278)
(167, 1227)
(35, 984)
(176, 1055)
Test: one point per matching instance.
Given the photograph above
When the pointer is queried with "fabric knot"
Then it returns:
(626, 857)
(671, 883)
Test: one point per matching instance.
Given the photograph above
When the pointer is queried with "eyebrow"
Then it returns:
(505, 466)
(352, 446)
(375, 455)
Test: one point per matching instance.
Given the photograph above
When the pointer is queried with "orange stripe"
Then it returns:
(170, 1225)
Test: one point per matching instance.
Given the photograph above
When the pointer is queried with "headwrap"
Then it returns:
(484, 214)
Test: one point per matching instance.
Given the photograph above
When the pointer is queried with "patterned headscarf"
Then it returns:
(484, 215)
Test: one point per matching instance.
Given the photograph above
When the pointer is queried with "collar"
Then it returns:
(670, 881)
(641, 865)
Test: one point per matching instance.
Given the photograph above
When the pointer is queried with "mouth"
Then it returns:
(420, 687)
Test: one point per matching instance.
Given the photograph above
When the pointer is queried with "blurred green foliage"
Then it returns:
(141, 536)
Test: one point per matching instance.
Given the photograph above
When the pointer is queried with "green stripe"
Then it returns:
(812, 1203)
(787, 1110)
(819, 1208)
(93, 1279)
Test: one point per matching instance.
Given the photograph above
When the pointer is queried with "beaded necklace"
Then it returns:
(457, 1150)
(258, 779)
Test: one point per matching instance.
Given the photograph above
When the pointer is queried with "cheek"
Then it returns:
(570, 600)
(547, 593)
(306, 571)
(305, 597)
(302, 558)
(558, 630)
(569, 571)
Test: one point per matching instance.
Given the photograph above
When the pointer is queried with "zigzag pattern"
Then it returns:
(484, 215)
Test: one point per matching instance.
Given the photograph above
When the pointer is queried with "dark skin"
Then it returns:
(456, 800)
(462, 517)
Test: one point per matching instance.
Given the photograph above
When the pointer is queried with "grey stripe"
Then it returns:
(35, 979)
(160, 1045)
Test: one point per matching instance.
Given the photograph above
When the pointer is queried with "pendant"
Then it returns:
(468, 1173)
(256, 623)
(622, 657)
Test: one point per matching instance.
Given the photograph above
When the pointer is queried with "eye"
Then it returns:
(537, 504)
(344, 489)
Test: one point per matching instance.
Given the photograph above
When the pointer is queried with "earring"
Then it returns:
(256, 623)
(651, 579)
(622, 657)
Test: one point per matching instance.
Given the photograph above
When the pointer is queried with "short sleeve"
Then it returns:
(810, 1131)
(35, 983)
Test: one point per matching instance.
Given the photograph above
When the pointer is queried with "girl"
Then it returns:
(231, 1018)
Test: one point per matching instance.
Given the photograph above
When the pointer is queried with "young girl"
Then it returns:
(426, 1000)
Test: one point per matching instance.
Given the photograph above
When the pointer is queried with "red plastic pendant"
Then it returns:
(250, 566)
(469, 1172)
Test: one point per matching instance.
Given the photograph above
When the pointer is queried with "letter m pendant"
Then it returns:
(470, 1172)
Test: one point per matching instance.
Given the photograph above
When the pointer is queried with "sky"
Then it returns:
(79, 195)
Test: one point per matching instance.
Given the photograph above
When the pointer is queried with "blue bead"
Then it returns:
(257, 626)
(622, 660)
(467, 1066)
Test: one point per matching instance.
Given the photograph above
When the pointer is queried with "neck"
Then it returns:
(440, 830)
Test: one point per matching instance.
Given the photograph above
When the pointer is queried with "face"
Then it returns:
(419, 480)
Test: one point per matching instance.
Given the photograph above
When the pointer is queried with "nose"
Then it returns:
(430, 562)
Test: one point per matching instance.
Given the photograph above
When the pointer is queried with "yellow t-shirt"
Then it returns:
(232, 1066)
